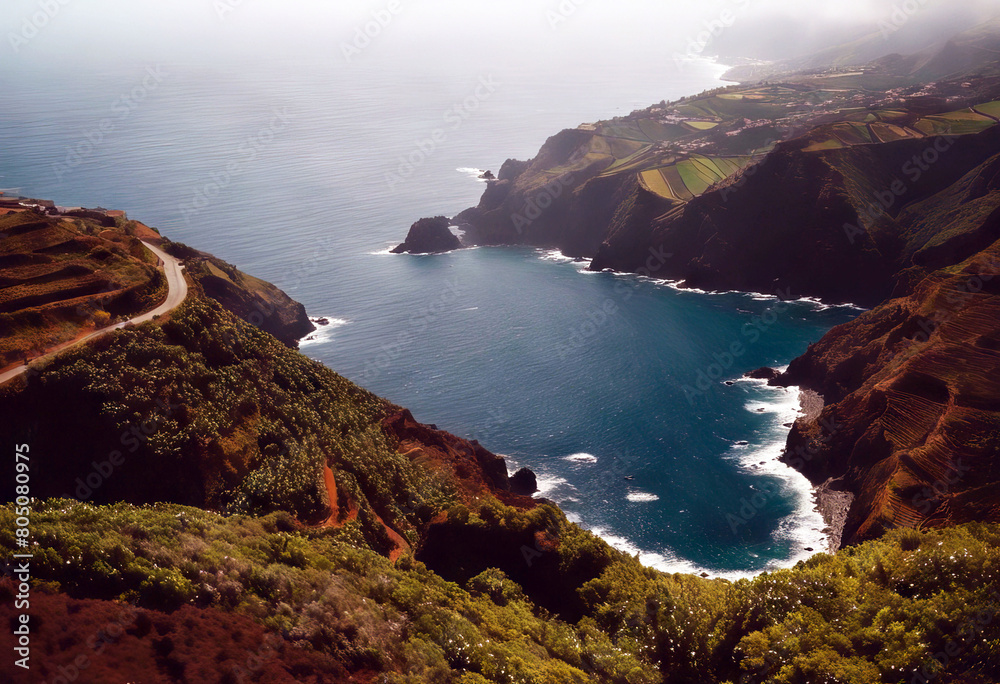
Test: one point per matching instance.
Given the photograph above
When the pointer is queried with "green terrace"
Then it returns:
(885, 126)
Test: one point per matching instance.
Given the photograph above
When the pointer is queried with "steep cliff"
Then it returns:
(253, 300)
(802, 220)
(210, 411)
(912, 417)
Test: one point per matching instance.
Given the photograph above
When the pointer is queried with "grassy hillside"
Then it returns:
(205, 598)
(208, 410)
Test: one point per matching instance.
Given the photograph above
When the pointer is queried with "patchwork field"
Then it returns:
(962, 122)
(679, 150)
(877, 128)
(691, 177)
(990, 109)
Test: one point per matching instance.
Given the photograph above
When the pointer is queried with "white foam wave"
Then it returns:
(474, 173)
(554, 487)
(677, 286)
(323, 333)
(581, 458)
(801, 530)
(664, 562)
(553, 255)
(804, 527)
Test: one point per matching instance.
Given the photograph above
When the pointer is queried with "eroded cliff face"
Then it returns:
(475, 471)
(253, 300)
(827, 223)
(912, 420)
(557, 200)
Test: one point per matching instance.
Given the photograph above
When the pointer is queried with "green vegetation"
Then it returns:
(890, 132)
(886, 611)
(320, 593)
(965, 122)
(989, 108)
(702, 125)
(691, 177)
(234, 420)
(654, 182)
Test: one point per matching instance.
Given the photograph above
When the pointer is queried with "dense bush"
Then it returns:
(318, 593)
(207, 410)
(910, 606)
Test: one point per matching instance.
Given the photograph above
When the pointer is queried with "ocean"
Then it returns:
(304, 172)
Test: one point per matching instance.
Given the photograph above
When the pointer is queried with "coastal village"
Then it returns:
(11, 203)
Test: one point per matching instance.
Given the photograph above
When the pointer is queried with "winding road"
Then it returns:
(177, 290)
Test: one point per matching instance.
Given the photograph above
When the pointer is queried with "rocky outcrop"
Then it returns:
(763, 374)
(524, 482)
(429, 236)
(476, 470)
(554, 200)
(253, 300)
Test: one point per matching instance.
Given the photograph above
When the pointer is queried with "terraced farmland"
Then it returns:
(884, 132)
(701, 125)
(677, 152)
(879, 130)
(963, 122)
(990, 109)
(691, 177)
(759, 103)
(63, 276)
(655, 182)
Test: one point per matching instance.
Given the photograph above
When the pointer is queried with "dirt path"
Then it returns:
(400, 544)
(331, 491)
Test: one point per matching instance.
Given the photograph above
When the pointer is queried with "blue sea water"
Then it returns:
(295, 170)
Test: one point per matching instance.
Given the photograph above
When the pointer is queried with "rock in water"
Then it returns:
(524, 482)
(763, 374)
(429, 236)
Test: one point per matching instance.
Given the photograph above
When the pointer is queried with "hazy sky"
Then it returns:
(269, 29)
